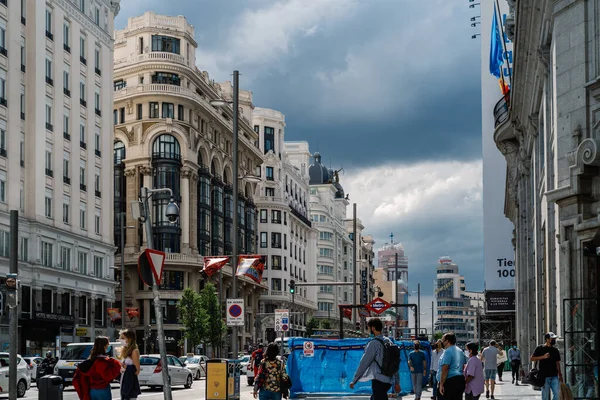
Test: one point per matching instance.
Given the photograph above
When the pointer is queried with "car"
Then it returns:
(23, 375)
(33, 363)
(151, 372)
(244, 364)
(75, 353)
(195, 364)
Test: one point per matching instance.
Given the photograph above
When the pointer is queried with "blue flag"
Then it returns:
(496, 59)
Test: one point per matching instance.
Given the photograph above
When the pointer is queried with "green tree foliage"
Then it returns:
(326, 324)
(193, 317)
(216, 326)
(438, 335)
(311, 325)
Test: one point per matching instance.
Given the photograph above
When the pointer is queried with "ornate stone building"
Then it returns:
(168, 135)
(548, 133)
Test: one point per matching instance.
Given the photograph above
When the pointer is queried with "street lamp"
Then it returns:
(418, 321)
(123, 227)
(141, 211)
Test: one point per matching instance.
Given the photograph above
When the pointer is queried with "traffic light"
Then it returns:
(292, 286)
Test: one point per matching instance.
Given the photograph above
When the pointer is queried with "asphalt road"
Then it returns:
(197, 391)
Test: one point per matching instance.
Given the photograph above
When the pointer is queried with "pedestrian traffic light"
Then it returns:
(292, 286)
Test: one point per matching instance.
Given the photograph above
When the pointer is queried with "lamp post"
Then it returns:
(123, 227)
(172, 214)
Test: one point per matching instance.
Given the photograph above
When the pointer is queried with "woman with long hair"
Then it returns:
(93, 376)
(130, 362)
(270, 373)
(473, 373)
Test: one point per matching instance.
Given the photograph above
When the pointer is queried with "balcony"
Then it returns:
(97, 71)
(83, 102)
(49, 81)
(98, 153)
(82, 187)
(98, 112)
(23, 116)
(3, 51)
(83, 60)
(502, 127)
(49, 127)
(66, 136)
(49, 173)
(66, 180)
(67, 48)
(67, 92)
(152, 56)
(301, 217)
(3, 102)
(97, 193)
(3, 153)
(83, 145)
(49, 35)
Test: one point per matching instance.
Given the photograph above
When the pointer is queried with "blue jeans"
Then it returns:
(417, 383)
(265, 394)
(553, 384)
(101, 394)
(434, 382)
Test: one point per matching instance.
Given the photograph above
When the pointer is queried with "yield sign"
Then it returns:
(151, 263)
(378, 305)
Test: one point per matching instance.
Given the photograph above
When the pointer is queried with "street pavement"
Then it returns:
(504, 391)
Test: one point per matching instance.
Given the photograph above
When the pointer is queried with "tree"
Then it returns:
(215, 326)
(438, 335)
(311, 325)
(193, 317)
(326, 324)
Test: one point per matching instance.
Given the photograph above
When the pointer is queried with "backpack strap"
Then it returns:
(383, 344)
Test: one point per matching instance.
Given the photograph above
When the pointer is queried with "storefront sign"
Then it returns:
(53, 317)
(363, 287)
(500, 300)
(80, 331)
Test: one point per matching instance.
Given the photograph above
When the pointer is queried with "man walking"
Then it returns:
(418, 369)
(369, 368)
(489, 357)
(548, 359)
(450, 373)
(514, 357)
(436, 354)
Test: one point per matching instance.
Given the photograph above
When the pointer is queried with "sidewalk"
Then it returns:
(504, 391)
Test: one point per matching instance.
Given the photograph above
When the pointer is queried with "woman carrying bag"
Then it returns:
(130, 364)
(502, 358)
(93, 376)
(271, 382)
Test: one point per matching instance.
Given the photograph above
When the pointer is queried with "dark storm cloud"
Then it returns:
(366, 82)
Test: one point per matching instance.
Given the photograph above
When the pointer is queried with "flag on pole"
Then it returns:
(213, 264)
(133, 313)
(348, 313)
(496, 52)
(114, 314)
(251, 266)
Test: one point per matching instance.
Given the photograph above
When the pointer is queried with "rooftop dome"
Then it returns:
(317, 172)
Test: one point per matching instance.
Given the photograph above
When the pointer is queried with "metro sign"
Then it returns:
(378, 305)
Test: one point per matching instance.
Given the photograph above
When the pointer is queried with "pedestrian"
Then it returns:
(436, 354)
(502, 358)
(451, 384)
(473, 373)
(130, 365)
(514, 357)
(417, 362)
(93, 376)
(267, 384)
(256, 359)
(548, 359)
(369, 368)
(489, 356)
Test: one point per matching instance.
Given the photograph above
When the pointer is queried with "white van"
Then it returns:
(74, 354)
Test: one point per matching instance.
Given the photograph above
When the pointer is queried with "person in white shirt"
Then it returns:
(436, 354)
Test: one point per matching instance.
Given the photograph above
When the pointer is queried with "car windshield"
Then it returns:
(192, 360)
(148, 361)
(79, 352)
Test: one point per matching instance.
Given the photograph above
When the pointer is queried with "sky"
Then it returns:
(387, 89)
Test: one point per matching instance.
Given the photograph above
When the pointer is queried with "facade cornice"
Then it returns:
(153, 65)
(158, 30)
(85, 22)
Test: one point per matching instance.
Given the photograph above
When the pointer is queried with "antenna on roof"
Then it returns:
(392, 237)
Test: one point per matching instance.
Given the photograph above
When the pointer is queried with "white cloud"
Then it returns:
(433, 208)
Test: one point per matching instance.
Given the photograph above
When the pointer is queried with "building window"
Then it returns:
(97, 183)
(168, 110)
(98, 266)
(97, 59)
(48, 163)
(49, 79)
(2, 138)
(23, 54)
(97, 102)
(2, 187)
(97, 223)
(46, 255)
(166, 78)
(82, 100)
(24, 249)
(66, 83)
(66, 210)
(276, 284)
(3, 87)
(325, 252)
(82, 262)
(165, 43)
(154, 110)
(97, 143)
(269, 139)
(269, 172)
(276, 263)
(3, 37)
(22, 150)
(82, 217)
(263, 216)
(276, 240)
(48, 203)
(276, 216)
(139, 112)
(119, 152)
(263, 240)
(120, 84)
(82, 141)
(67, 37)
(82, 52)
(180, 112)
(270, 192)
(65, 258)
(82, 180)
(122, 115)
(49, 24)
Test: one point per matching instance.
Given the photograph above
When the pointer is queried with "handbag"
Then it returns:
(285, 382)
(534, 378)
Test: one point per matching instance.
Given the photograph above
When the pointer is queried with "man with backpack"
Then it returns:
(379, 364)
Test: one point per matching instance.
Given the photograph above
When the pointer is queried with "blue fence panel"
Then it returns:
(331, 370)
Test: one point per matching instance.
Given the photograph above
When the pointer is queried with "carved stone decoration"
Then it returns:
(195, 176)
(145, 170)
(588, 153)
(510, 150)
(186, 173)
(129, 172)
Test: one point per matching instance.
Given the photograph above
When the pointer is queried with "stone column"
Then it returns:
(194, 213)
(76, 299)
(184, 217)
(93, 299)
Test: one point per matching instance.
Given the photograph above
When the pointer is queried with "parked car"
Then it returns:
(195, 364)
(23, 377)
(151, 372)
(33, 363)
(244, 364)
(75, 353)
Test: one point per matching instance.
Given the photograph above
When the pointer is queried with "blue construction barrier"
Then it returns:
(331, 370)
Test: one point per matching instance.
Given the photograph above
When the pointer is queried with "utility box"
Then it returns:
(50, 387)
(222, 379)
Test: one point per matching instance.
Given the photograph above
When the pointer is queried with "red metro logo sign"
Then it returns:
(378, 305)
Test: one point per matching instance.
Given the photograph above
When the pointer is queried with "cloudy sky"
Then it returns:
(387, 89)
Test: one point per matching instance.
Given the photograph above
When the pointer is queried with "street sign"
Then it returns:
(363, 312)
(235, 312)
(281, 320)
(151, 263)
(378, 305)
(309, 349)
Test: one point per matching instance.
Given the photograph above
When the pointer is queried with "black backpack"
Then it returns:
(258, 358)
(391, 358)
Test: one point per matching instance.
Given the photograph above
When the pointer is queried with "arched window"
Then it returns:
(119, 152)
(166, 147)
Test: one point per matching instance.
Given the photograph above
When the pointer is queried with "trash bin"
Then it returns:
(50, 387)
(222, 379)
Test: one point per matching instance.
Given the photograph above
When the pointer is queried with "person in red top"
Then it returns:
(93, 376)
(257, 357)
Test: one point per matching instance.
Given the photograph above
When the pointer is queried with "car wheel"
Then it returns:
(21, 388)
(198, 374)
(188, 382)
